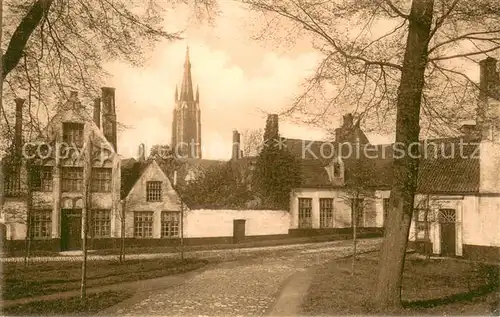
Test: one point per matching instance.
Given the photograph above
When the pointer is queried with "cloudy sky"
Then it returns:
(240, 80)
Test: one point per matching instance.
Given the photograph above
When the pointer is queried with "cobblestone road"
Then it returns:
(246, 287)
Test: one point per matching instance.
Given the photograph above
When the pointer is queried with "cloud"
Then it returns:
(231, 95)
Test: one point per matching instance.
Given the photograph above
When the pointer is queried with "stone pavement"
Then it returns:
(247, 287)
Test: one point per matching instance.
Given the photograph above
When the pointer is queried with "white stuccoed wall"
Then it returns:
(204, 223)
(481, 221)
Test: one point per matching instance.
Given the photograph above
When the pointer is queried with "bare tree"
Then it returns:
(252, 142)
(87, 203)
(392, 59)
(122, 230)
(181, 214)
(359, 196)
(58, 45)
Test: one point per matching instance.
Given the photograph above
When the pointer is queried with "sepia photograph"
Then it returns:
(250, 157)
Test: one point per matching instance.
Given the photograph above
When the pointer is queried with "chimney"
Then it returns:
(489, 84)
(97, 112)
(109, 115)
(348, 121)
(488, 78)
(338, 134)
(18, 130)
(141, 153)
(236, 145)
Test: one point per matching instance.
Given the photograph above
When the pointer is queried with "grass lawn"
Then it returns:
(53, 277)
(69, 306)
(430, 287)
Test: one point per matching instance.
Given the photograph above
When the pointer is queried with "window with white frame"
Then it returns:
(143, 224)
(326, 212)
(41, 224)
(101, 180)
(153, 191)
(305, 211)
(170, 224)
(101, 223)
(386, 209)
(422, 224)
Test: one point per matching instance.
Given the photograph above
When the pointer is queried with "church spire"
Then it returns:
(187, 83)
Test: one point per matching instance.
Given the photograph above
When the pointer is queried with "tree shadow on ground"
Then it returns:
(492, 276)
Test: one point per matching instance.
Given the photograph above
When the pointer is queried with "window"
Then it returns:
(12, 181)
(305, 209)
(336, 169)
(101, 223)
(101, 180)
(422, 224)
(143, 224)
(73, 133)
(41, 178)
(326, 212)
(153, 191)
(386, 209)
(41, 224)
(72, 179)
(169, 224)
(357, 209)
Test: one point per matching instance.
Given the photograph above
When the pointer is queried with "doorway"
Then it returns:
(447, 221)
(238, 230)
(71, 229)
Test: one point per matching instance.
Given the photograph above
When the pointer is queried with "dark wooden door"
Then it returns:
(447, 219)
(238, 230)
(71, 229)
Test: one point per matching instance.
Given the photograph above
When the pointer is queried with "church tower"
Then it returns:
(186, 125)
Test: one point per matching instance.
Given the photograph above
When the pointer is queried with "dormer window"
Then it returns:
(73, 133)
(335, 171)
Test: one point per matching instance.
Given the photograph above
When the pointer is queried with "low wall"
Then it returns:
(361, 232)
(208, 223)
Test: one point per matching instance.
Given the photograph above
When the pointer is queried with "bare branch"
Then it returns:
(395, 9)
(22, 33)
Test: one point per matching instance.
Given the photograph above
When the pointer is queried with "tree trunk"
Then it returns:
(29, 207)
(87, 171)
(122, 240)
(83, 288)
(405, 169)
(427, 229)
(2, 146)
(182, 231)
(22, 33)
(354, 227)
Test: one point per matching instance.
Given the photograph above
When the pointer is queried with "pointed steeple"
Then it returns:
(197, 93)
(187, 83)
(187, 62)
(176, 93)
